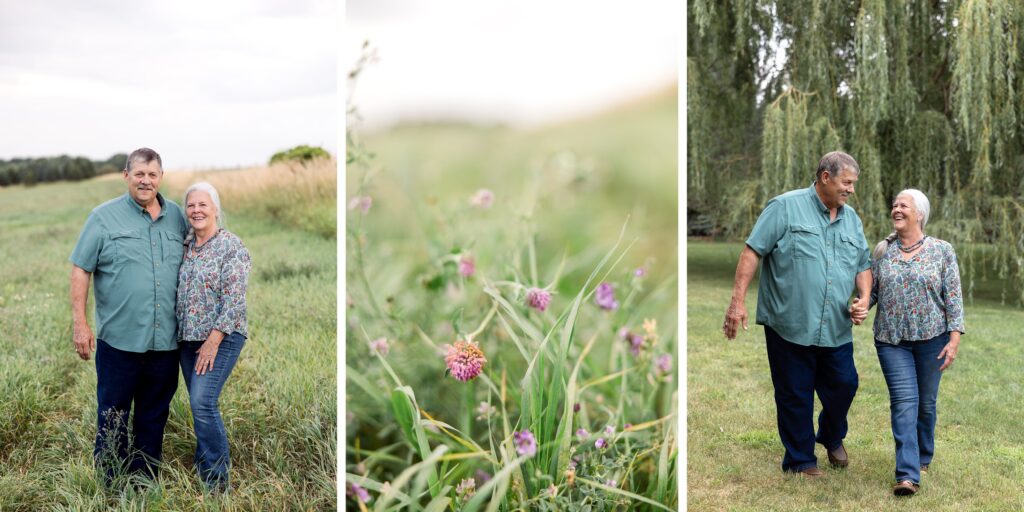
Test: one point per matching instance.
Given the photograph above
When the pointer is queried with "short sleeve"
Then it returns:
(769, 228)
(86, 253)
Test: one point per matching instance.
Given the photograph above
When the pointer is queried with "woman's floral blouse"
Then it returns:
(917, 299)
(211, 287)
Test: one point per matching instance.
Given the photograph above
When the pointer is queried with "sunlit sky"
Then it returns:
(522, 62)
(205, 83)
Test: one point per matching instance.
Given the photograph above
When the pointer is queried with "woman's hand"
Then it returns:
(950, 350)
(208, 352)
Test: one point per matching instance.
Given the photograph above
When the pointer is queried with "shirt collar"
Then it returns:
(139, 209)
(820, 206)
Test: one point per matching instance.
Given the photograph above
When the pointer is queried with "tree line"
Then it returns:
(926, 95)
(29, 171)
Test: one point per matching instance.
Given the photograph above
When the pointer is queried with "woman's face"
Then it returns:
(904, 213)
(200, 210)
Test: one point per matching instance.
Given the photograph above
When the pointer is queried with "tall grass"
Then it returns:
(279, 405)
(416, 437)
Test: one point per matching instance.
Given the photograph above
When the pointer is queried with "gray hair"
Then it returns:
(143, 156)
(834, 163)
(924, 209)
(209, 189)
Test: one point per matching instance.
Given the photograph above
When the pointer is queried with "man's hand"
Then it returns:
(859, 310)
(735, 316)
(84, 341)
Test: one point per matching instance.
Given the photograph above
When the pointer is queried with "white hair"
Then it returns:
(209, 189)
(924, 210)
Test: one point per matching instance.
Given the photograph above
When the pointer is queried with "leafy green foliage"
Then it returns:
(301, 153)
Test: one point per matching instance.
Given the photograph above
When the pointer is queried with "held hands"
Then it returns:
(735, 316)
(83, 340)
(859, 310)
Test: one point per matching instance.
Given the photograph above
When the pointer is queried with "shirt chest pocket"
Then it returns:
(804, 242)
(174, 247)
(849, 251)
(130, 247)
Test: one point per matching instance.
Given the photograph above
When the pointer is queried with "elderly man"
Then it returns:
(132, 246)
(813, 253)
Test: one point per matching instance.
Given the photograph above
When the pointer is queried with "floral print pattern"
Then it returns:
(212, 283)
(919, 298)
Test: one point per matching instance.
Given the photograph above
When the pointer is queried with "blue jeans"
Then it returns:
(912, 374)
(797, 372)
(212, 458)
(148, 380)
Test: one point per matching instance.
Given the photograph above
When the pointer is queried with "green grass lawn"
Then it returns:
(733, 448)
(279, 405)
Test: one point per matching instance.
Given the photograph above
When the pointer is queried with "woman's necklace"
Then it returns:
(911, 248)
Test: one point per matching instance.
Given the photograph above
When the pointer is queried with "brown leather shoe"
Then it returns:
(813, 472)
(905, 488)
(838, 457)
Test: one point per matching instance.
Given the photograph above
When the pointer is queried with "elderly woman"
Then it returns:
(917, 330)
(211, 324)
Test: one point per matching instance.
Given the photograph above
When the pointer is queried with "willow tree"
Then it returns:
(927, 95)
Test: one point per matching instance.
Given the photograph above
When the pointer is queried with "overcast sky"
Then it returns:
(521, 62)
(205, 83)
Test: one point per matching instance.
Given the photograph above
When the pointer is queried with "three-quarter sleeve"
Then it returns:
(234, 280)
(952, 294)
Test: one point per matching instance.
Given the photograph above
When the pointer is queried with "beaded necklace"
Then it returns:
(911, 248)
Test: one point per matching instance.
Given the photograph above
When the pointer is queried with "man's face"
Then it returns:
(143, 181)
(836, 190)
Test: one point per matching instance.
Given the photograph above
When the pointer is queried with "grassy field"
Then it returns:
(417, 438)
(734, 453)
(279, 405)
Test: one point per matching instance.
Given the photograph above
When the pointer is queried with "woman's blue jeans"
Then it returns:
(912, 374)
(212, 458)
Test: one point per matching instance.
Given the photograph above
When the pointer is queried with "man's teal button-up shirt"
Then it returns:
(808, 269)
(134, 262)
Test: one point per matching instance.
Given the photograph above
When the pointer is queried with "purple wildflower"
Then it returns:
(664, 364)
(467, 267)
(609, 430)
(525, 443)
(640, 272)
(538, 299)
(483, 198)
(466, 488)
(627, 426)
(363, 203)
(357, 492)
(605, 297)
(601, 443)
(465, 360)
(611, 483)
(380, 345)
(576, 407)
(582, 433)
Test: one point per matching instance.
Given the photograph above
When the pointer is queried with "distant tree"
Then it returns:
(302, 153)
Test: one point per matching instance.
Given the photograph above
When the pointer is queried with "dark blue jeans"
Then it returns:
(797, 372)
(212, 458)
(912, 375)
(147, 380)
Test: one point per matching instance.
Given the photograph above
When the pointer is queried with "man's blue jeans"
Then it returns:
(148, 380)
(797, 372)
(912, 374)
(212, 458)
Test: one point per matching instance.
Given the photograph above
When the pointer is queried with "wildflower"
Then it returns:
(574, 463)
(627, 426)
(525, 443)
(651, 327)
(552, 490)
(465, 360)
(363, 203)
(640, 272)
(582, 433)
(576, 407)
(636, 341)
(357, 492)
(466, 488)
(664, 364)
(611, 483)
(380, 346)
(467, 267)
(605, 297)
(570, 476)
(538, 299)
(483, 198)
(485, 411)
(600, 444)
(609, 430)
